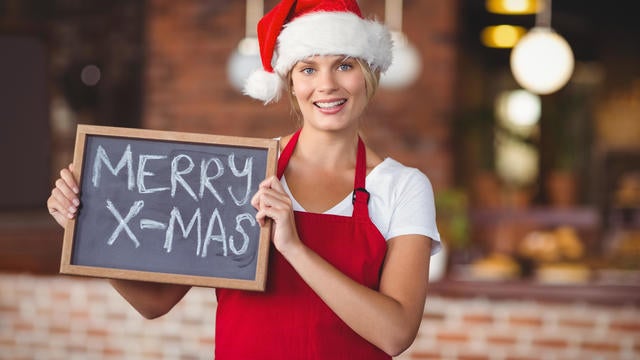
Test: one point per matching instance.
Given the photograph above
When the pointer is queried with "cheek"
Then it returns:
(359, 92)
(355, 84)
(302, 89)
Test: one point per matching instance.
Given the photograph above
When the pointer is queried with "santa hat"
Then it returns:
(294, 30)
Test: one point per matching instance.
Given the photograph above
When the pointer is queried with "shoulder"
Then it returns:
(402, 200)
(392, 172)
(395, 185)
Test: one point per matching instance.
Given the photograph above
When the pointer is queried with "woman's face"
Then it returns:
(330, 91)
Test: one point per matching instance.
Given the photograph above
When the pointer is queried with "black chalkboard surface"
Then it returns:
(169, 207)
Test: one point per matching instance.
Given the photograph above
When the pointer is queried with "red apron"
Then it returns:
(289, 321)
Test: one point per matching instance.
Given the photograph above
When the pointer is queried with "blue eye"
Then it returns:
(345, 67)
(307, 71)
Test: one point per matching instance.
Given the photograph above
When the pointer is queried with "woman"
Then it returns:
(353, 232)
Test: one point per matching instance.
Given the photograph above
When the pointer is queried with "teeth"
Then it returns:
(325, 105)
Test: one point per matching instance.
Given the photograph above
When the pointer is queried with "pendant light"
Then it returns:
(542, 61)
(407, 64)
(245, 58)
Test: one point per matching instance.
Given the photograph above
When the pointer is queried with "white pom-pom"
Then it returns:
(263, 85)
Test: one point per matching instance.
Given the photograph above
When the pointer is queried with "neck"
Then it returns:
(327, 150)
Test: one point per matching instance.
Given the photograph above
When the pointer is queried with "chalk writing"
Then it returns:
(102, 158)
(246, 172)
(123, 223)
(207, 229)
(181, 165)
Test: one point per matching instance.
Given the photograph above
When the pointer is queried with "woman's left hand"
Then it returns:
(272, 202)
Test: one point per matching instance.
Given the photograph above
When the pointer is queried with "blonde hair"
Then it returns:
(371, 82)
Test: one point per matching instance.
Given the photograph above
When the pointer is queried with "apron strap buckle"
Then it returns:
(357, 190)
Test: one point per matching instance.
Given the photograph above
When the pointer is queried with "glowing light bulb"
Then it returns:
(542, 61)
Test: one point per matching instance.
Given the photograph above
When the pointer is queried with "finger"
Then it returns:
(58, 216)
(261, 217)
(275, 200)
(52, 204)
(65, 200)
(58, 202)
(67, 191)
(271, 182)
(67, 176)
(264, 185)
(275, 184)
(271, 186)
(265, 209)
(255, 200)
(271, 206)
(269, 213)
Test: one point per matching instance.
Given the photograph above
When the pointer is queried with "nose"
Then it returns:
(327, 81)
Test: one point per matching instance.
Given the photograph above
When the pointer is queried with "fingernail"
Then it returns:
(72, 209)
(75, 190)
(76, 202)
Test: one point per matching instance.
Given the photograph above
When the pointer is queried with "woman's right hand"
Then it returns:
(150, 299)
(64, 201)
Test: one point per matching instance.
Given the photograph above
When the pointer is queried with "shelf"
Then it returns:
(528, 290)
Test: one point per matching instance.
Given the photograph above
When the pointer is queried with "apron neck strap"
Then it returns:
(286, 153)
(360, 196)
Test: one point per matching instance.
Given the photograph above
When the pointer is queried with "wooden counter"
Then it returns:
(591, 293)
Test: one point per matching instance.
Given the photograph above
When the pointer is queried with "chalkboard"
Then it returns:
(169, 207)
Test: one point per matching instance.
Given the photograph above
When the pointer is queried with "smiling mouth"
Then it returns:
(329, 104)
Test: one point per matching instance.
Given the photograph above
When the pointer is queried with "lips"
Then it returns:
(330, 104)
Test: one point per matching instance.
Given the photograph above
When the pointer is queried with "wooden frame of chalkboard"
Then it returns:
(169, 207)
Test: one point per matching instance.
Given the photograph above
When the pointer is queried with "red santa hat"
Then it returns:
(294, 30)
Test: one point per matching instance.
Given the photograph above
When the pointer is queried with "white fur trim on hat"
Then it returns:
(333, 33)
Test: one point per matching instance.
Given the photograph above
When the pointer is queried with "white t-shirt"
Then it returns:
(401, 202)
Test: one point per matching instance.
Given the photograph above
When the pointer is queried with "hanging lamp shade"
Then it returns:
(542, 61)
(407, 63)
(245, 58)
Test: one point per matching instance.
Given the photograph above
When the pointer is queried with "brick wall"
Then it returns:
(62, 317)
(188, 44)
(519, 329)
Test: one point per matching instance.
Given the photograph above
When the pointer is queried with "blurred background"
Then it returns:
(536, 174)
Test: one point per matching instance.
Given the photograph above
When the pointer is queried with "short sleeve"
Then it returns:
(414, 208)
